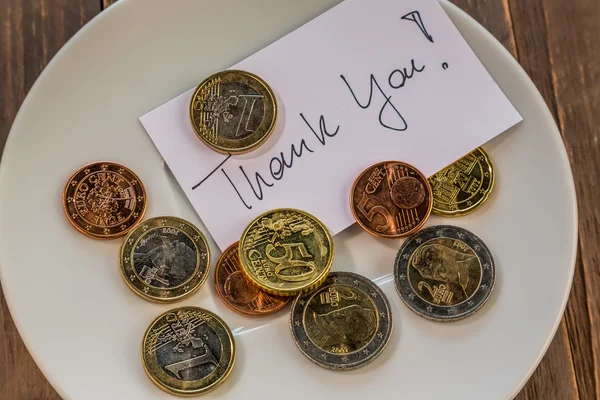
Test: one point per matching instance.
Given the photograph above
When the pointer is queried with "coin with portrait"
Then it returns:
(344, 324)
(391, 199)
(233, 112)
(104, 200)
(238, 292)
(444, 273)
(188, 351)
(165, 259)
(286, 252)
(463, 186)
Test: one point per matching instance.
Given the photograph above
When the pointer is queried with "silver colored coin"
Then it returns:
(344, 324)
(444, 273)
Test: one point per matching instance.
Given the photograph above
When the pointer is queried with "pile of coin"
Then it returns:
(338, 320)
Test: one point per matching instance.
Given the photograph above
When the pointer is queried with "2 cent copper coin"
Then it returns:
(238, 292)
(104, 200)
(391, 199)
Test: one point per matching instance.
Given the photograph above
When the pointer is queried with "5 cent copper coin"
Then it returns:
(391, 199)
(236, 290)
(104, 200)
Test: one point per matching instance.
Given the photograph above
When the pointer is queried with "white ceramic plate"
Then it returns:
(84, 326)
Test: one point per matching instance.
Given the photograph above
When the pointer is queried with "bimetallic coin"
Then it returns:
(344, 324)
(104, 200)
(188, 351)
(463, 186)
(165, 259)
(444, 273)
(286, 252)
(238, 292)
(233, 111)
(391, 199)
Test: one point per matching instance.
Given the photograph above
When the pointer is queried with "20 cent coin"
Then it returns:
(165, 259)
(344, 324)
(188, 351)
(463, 186)
(444, 273)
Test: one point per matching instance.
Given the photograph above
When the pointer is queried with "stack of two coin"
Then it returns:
(280, 254)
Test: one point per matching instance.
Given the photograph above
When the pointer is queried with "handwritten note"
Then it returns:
(364, 82)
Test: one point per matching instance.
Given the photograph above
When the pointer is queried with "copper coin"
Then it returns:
(104, 200)
(238, 292)
(391, 199)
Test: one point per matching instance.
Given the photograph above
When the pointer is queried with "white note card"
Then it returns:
(366, 81)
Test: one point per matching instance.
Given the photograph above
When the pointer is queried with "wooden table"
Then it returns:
(556, 41)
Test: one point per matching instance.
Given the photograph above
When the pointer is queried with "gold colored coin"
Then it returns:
(104, 200)
(165, 259)
(233, 112)
(188, 351)
(344, 324)
(463, 186)
(286, 252)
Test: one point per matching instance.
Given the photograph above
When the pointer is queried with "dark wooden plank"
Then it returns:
(106, 3)
(495, 17)
(563, 60)
(573, 33)
(31, 33)
(580, 330)
(554, 378)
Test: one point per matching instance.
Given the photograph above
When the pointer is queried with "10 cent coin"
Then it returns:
(444, 273)
(233, 111)
(344, 324)
(188, 351)
(104, 200)
(391, 199)
(463, 186)
(238, 292)
(286, 252)
(165, 259)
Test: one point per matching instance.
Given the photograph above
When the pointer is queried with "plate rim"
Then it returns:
(449, 8)
(556, 135)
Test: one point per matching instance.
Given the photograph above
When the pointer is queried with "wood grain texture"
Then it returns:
(31, 32)
(106, 3)
(573, 32)
(556, 43)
